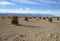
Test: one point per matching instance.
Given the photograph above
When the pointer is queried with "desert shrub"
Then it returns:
(39, 17)
(9, 17)
(50, 20)
(2, 17)
(30, 17)
(26, 19)
(57, 18)
(34, 17)
(21, 35)
(15, 20)
(43, 18)
(0, 39)
(47, 17)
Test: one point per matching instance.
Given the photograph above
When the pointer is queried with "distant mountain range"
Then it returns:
(22, 14)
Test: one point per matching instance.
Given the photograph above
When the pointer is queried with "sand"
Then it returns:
(33, 30)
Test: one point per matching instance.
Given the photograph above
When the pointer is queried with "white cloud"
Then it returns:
(37, 2)
(47, 1)
(5, 3)
(29, 11)
(27, 8)
(26, 2)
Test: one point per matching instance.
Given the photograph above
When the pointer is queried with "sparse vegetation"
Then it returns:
(50, 20)
(43, 18)
(9, 17)
(2, 17)
(26, 19)
(15, 20)
(47, 17)
(30, 17)
(39, 17)
(57, 18)
(21, 35)
(37, 30)
(34, 17)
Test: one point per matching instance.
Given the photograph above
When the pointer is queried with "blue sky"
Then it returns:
(30, 6)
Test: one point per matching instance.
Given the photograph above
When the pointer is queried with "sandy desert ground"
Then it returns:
(33, 30)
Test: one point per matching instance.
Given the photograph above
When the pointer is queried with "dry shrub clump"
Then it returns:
(21, 35)
(15, 20)
(50, 20)
(26, 19)
(39, 17)
(9, 17)
(34, 17)
(57, 18)
(2, 17)
(30, 17)
(44, 18)
(47, 17)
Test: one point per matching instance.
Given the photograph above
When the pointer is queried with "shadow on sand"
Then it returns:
(28, 26)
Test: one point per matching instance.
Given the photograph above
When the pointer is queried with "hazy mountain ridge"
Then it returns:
(22, 14)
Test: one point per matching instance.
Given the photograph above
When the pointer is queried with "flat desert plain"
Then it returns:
(33, 30)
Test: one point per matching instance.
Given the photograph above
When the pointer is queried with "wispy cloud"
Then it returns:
(21, 10)
(32, 2)
(25, 2)
(47, 1)
(50, 2)
(6, 3)
(37, 2)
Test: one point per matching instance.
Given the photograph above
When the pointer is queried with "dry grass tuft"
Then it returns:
(9, 17)
(21, 35)
(50, 20)
(3, 17)
(57, 18)
(34, 17)
(47, 17)
(44, 18)
(39, 17)
(15, 20)
(30, 17)
(26, 19)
